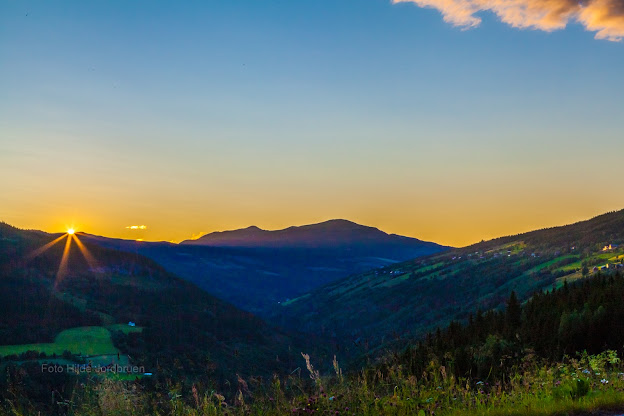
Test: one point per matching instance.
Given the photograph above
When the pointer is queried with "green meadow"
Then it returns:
(89, 340)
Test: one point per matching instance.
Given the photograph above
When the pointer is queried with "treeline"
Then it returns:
(586, 316)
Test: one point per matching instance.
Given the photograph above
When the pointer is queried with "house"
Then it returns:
(610, 247)
(131, 323)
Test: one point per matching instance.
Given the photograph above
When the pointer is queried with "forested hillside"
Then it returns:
(404, 301)
(181, 333)
(585, 316)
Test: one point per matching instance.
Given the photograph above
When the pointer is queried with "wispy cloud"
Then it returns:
(136, 227)
(605, 17)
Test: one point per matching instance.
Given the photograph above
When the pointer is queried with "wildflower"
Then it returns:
(604, 381)
(479, 383)
(195, 395)
(586, 371)
(331, 398)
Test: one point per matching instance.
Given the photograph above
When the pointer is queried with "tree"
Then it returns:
(513, 314)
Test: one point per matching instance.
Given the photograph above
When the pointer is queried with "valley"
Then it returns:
(256, 269)
(114, 308)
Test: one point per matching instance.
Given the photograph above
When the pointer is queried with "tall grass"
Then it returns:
(573, 386)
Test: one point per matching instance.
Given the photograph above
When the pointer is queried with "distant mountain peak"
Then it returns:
(337, 223)
(331, 233)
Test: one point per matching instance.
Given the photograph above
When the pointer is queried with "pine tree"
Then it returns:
(513, 315)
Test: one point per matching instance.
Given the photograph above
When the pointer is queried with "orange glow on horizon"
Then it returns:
(456, 223)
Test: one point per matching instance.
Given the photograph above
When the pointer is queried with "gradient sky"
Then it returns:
(191, 117)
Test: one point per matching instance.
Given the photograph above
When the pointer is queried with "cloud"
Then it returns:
(605, 17)
(136, 227)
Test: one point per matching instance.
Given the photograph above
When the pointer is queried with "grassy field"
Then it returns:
(90, 340)
(548, 263)
(597, 403)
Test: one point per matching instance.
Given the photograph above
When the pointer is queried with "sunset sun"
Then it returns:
(71, 231)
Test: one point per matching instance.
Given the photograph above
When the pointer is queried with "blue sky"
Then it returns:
(210, 115)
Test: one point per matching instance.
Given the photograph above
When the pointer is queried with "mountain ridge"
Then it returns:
(330, 233)
(257, 273)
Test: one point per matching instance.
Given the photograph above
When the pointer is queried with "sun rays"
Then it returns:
(85, 252)
(62, 270)
(64, 264)
(44, 248)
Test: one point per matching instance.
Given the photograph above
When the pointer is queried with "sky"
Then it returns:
(447, 120)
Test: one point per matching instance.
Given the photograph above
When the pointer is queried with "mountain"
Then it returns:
(255, 269)
(404, 301)
(180, 331)
(329, 234)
